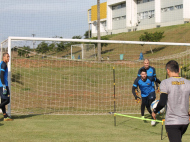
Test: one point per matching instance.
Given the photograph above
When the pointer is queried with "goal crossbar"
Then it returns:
(99, 41)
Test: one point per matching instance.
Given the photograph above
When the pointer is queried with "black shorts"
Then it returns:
(151, 96)
(175, 132)
(5, 96)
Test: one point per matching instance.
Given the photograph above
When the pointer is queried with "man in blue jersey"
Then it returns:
(147, 91)
(150, 72)
(4, 89)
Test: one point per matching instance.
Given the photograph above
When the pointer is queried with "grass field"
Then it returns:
(60, 86)
(80, 128)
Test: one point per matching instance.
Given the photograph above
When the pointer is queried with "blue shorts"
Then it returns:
(5, 96)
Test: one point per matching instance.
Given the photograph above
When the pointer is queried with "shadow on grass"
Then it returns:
(1, 124)
(16, 77)
(21, 116)
(155, 50)
(106, 51)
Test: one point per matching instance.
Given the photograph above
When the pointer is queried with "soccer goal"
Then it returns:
(83, 51)
(45, 80)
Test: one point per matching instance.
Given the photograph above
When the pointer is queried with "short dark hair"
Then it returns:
(173, 66)
(143, 70)
(5, 54)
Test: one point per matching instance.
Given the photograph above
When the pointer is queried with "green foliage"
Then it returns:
(52, 46)
(102, 38)
(186, 68)
(77, 37)
(86, 34)
(42, 48)
(60, 46)
(154, 37)
(23, 51)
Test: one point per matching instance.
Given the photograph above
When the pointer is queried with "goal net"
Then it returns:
(83, 51)
(45, 80)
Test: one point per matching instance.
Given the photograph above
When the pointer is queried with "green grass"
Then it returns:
(80, 128)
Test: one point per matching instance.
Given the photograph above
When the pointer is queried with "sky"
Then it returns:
(44, 18)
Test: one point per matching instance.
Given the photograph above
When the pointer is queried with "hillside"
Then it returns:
(177, 33)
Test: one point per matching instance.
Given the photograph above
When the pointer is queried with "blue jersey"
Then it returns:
(3, 67)
(145, 86)
(150, 72)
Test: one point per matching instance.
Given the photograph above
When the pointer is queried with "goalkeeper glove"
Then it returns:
(4, 90)
(137, 97)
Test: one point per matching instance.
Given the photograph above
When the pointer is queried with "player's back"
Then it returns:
(178, 90)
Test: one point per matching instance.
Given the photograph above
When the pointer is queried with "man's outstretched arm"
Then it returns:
(161, 104)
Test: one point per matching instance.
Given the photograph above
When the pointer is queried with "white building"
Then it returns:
(130, 15)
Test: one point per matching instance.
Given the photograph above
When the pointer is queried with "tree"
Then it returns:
(52, 46)
(23, 51)
(60, 46)
(154, 37)
(77, 37)
(86, 34)
(42, 48)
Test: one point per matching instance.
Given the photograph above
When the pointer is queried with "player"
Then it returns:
(147, 91)
(175, 93)
(150, 72)
(4, 89)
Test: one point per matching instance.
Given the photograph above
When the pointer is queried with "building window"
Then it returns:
(171, 8)
(163, 9)
(119, 18)
(179, 6)
(123, 5)
(151, 14)
(114, 19)
(143, 1)
(142, 15)
(145, 15)
(103, 23)
(119, 6)
(123, 17)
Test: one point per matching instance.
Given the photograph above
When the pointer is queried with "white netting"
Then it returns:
(45, 81)
(83, 51)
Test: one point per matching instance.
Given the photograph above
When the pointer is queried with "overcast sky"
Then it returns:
(45, 18)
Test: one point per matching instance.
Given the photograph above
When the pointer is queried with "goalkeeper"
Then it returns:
(150, 72)
(4, 89)
(147, 91)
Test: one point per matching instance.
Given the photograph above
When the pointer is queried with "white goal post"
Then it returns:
(72, 87)
(86, 51)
